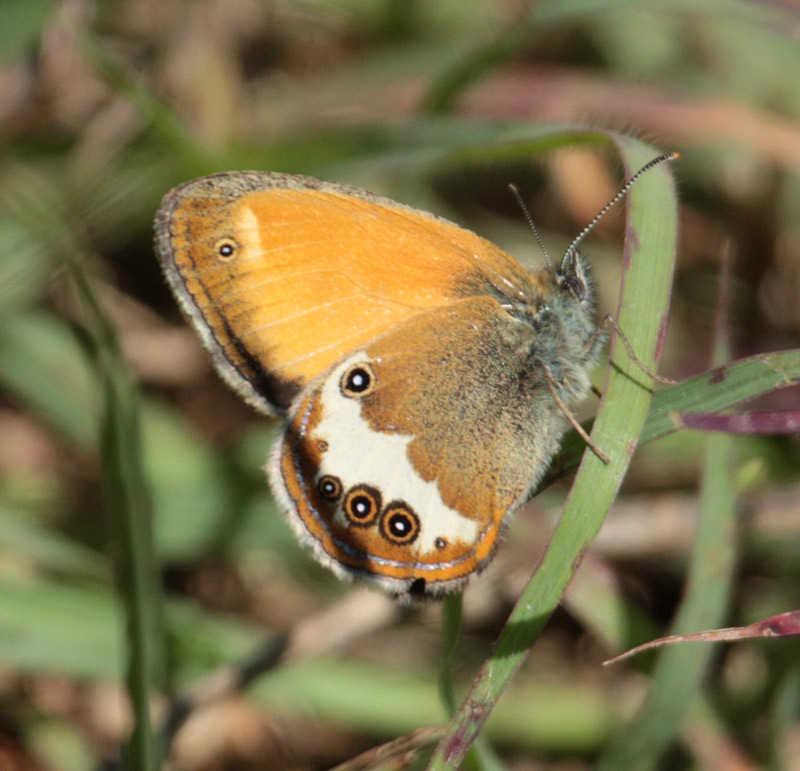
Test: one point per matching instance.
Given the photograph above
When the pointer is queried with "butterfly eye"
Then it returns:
(358, 381)
(399, 524)
(330, 487)
(576, 286)
(226, 249)
(362, 504)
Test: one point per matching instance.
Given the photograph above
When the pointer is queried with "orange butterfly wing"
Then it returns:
(410, 355)
(283, 275)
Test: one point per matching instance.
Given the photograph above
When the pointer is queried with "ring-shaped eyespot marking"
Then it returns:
(358, 381)
(362, 505)
(330, 487)
(226, 249)
(399, 524)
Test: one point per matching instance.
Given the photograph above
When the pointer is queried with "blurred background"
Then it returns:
(105, 106)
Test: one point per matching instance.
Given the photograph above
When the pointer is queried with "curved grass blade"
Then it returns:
(647, 277)
(783, 625)
(717, 389)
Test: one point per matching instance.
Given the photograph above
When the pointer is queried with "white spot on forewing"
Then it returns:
(358, 455)
(248, 232)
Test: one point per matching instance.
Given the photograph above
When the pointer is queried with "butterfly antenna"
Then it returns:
(620, 195)
(515, 192)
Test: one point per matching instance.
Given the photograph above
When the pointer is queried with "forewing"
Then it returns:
(283, 276)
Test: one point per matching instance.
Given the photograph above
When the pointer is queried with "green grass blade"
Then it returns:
(452, 610)
(680, 668)
(476, 64)
(718, 389)
(722, 388)
(30, 203)
(647, 277)
(131, 516)
(481, 756)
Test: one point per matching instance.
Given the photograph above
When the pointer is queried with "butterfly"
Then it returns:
(424, 377)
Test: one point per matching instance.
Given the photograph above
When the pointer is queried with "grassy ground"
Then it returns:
(140, 549)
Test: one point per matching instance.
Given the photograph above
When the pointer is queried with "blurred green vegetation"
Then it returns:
(104, 107)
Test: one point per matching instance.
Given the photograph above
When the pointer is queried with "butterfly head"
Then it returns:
(574, 278)
(568, 307)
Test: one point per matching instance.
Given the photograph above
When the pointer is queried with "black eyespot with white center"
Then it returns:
(330, 487)
(226, 249)
(358, 381)
(399, 524)
(362, 505)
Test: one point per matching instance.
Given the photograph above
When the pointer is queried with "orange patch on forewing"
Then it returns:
(320, 273)
(342, 271)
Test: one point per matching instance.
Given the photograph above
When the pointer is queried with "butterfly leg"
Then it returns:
(571, 418)
(610, 321)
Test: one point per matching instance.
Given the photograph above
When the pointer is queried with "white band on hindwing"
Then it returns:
(358, 455)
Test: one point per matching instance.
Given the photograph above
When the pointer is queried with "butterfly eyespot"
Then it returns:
(362, 505)
(440, 543)
(322, 445)
(358, 381)
(399, 524)
(576, 286)
(226, 249)
(330, 487)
